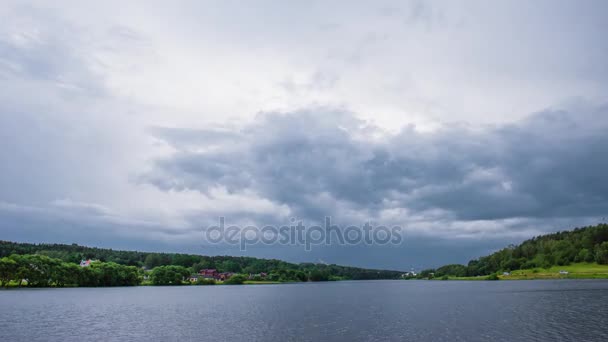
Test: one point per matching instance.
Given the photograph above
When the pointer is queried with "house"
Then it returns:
(409, 274)
(195, 277)
(85, 263)
(506, 273)
(214, 274)
(562, 272)
(208, 273)
(224, 275)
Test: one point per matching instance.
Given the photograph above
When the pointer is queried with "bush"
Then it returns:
(493, 276)
(236, 279)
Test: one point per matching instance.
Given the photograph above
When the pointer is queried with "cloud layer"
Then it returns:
(322, 162)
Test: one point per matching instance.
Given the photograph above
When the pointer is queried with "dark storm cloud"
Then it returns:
(548, 165)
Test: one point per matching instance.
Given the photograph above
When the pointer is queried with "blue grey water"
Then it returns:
(563, 310)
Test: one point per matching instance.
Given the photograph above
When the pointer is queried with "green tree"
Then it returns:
(601, 253)
(153, 260)
(229, 266)
(184, 260)
(318, 275)
(236, 279)
(584, 255)
(8, 269)
(169, 275)
(36, 269)
(67, 274)
(493, 276)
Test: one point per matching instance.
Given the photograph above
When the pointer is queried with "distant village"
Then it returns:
(221, 276)
(202, 274)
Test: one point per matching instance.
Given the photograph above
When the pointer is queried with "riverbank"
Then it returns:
(574, 271)
(14, 285)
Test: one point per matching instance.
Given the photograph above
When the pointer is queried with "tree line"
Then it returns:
(42, 271)
(118, 267)
(585, 244)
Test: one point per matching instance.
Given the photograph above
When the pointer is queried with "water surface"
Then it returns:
(564, 310)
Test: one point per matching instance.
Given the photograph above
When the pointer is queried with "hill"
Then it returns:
(581, 246)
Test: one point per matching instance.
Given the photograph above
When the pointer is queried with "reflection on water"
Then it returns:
(569, 310)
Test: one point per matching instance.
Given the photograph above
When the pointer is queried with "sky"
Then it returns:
(471, 125)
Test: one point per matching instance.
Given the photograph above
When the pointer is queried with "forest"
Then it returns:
(58, 265)
(585, 244)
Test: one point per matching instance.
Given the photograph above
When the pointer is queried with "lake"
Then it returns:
(562, 310)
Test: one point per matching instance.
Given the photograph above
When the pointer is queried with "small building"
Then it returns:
(506, 273)
(409, 274)
(213, 274)
(208, 273)
(195, 277)
(85, 263)
(224, 275)
(562, 272)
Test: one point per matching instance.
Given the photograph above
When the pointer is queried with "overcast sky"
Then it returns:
(471, 124)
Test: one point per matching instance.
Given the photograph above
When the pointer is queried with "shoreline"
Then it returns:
(252, 283)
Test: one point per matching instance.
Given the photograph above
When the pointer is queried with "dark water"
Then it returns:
(341, 311)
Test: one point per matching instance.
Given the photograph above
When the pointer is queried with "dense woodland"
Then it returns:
(587, 244)
(57, 265)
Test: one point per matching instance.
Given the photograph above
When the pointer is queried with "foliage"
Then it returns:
(43, 271)
(493, 276)
(277, 270)
(236, 279)
(169, 275)
(585, 244)
(426, 274)
(318, 275)
(153, 260)
(601, 253)
(456, 270)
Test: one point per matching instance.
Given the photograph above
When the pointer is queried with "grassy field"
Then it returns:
(575, 271)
